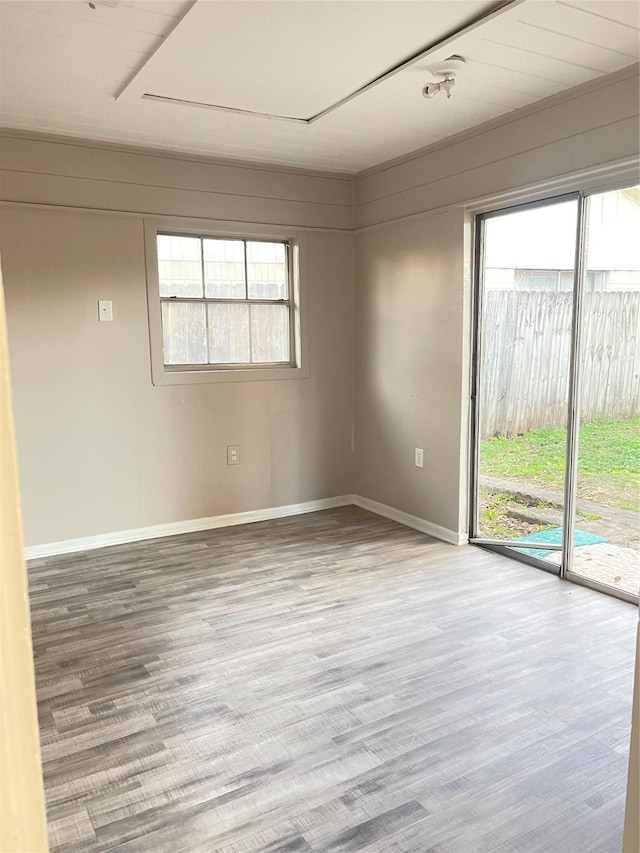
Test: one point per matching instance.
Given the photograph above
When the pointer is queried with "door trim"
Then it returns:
(476, 361)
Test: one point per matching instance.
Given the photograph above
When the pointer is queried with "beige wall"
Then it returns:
(58, 171)
(86, 411)
(413, 281)
(100, 448)
(409, 366)
(585, 131)
(22, 810)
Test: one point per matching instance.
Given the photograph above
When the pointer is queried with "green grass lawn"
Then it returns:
(608, 460)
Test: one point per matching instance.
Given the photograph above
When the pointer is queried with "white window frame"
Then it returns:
(181, 374)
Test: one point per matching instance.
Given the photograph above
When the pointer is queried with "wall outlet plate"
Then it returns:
(233, 454)
(419, 457)
(105, 310)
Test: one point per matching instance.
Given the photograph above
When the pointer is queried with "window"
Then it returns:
(225, 305)
(224, 302)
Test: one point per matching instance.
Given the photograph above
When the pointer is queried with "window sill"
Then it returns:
(171, 376)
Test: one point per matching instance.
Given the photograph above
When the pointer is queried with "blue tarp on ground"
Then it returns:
(553, 536)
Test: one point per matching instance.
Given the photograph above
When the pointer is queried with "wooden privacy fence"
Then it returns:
(526, 340)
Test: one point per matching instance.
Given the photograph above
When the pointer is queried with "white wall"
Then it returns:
(100, 448)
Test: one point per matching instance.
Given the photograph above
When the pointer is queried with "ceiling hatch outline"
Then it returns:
(437, 50)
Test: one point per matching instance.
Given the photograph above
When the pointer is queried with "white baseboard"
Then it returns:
(104, 540)
(120, 537)
(443, 533)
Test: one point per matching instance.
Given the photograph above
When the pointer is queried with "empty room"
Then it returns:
(320, 426)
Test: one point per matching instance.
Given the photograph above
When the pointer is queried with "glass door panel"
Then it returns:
(525, 305)
(607, 519)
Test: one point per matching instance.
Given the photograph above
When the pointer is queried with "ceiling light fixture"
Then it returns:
(448, 70)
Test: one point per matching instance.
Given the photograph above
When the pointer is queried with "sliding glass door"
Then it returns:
(606, 548)
(556, 386)
(526, 297)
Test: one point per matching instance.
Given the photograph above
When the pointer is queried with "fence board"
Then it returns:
(525, 359)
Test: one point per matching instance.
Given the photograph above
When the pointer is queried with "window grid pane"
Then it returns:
(269, 333)
(179, 266)
(210, 333)
(184, 333)
(266, 271)
(224, 269)
(229, 337)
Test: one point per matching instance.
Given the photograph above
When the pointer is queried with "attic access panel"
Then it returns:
(290, 60)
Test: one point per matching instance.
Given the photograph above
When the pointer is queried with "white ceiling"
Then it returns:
(292, 59)
(117, 72)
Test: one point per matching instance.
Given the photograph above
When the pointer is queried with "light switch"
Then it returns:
(105, 310)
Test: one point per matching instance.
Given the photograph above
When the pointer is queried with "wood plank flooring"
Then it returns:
(331, 682)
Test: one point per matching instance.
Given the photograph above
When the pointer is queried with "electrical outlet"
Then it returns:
(419, 457)
(233, 454)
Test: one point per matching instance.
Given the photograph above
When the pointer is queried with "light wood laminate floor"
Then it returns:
(331, 682)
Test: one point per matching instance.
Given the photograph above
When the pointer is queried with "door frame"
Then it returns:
(573, 400)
